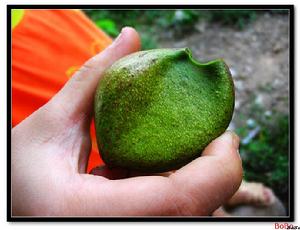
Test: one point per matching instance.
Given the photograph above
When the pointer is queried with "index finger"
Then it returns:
(215, 176)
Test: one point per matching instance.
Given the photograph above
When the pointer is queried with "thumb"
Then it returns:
(75, 99)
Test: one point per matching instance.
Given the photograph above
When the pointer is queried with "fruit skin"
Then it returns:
(157, 110)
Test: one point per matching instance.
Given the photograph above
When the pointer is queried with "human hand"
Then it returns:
(50, 152)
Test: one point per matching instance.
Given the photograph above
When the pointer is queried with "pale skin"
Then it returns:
(50, 150)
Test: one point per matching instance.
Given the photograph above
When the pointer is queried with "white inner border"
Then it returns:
(148, 225)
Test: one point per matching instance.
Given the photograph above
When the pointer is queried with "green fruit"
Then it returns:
(157, 110)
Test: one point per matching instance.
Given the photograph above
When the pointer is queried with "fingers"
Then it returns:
(198, 188)
(76, 97)
(213, 178)
(135, 196)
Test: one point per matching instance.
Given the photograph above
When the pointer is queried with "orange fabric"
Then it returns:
(48, 46)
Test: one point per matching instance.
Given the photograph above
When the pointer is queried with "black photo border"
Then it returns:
(291, 212)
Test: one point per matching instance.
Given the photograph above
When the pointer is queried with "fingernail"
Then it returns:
(233, 138)
(117, 39)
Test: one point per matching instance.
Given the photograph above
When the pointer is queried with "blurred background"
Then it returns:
(255, 45)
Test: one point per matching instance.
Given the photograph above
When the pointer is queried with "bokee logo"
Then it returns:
(285, 226)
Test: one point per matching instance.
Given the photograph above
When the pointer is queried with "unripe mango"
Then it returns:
(157, 110)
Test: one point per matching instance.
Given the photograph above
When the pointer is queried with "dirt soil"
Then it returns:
(258, 57)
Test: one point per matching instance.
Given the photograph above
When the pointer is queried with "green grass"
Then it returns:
(151, 23)
(237, 18)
